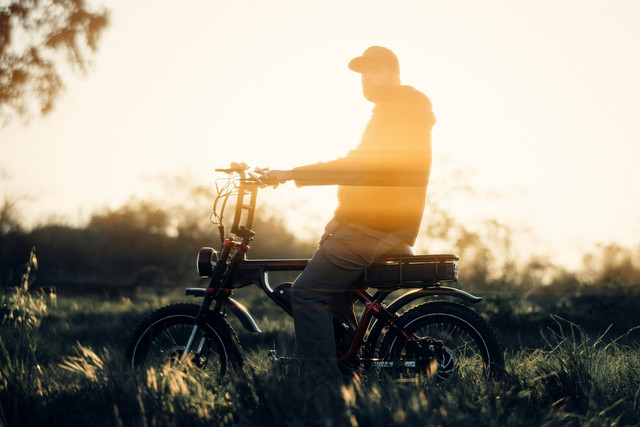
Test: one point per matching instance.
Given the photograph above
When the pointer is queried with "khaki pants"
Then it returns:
(321, 292)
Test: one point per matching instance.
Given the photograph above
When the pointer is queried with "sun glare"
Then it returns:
(536, 106)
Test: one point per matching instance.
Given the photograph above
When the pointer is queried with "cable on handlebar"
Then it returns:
(238, 176)
(224, 191)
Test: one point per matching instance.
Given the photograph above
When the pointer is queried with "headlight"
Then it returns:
(206, 261)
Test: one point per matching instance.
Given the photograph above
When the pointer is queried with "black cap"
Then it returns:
(375, 55)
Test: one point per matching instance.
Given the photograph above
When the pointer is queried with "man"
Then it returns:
(381, 198)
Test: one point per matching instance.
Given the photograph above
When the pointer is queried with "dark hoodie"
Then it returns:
(383, 182)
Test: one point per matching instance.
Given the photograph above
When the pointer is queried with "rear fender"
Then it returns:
(430, 292)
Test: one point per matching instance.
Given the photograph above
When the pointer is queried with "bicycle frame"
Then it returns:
(232, 270)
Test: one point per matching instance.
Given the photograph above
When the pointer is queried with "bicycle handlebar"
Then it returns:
(259, 176)
(234, 167)
(245, 187)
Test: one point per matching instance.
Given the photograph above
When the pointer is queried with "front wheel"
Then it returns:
(161, 339)
(451, 341)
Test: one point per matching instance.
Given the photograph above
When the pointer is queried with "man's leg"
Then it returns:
(345, 322)
(341, 306)
(334, 266)
(313, 321)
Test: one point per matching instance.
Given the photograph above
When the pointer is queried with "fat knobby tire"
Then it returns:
(216, 328)
(455, 314)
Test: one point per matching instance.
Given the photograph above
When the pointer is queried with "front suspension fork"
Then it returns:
(218, 285)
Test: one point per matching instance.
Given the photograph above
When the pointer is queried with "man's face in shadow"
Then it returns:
(377, 78)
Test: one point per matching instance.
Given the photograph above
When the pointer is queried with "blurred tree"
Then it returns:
(9, 220)
(33, 36)
(139, 241)
(142, 216)
(613, 267)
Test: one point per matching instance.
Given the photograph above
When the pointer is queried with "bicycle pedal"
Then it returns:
(272, 355)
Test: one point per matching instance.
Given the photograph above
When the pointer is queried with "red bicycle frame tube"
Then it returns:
(371, 309)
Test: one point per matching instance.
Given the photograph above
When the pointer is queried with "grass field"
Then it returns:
(569, 361)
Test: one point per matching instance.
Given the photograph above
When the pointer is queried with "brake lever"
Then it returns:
(257, 178)
(261, 170)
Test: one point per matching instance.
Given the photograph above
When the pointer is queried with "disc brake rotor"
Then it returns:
(447, 363)
(174, 354)
(433, 359)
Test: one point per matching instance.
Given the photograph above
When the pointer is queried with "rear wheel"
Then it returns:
(161, 339)
(452, 343)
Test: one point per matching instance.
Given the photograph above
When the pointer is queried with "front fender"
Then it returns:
(234, 306)
(241, 313)
(407, 298)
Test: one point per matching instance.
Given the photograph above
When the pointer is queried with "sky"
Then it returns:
(536, 104)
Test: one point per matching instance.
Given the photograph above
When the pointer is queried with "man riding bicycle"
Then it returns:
(381, 197)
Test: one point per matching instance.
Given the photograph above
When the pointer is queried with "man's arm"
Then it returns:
(279, 176)
(379, 168)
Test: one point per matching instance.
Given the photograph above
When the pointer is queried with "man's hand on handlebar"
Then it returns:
(260, 176)
(276, 177)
